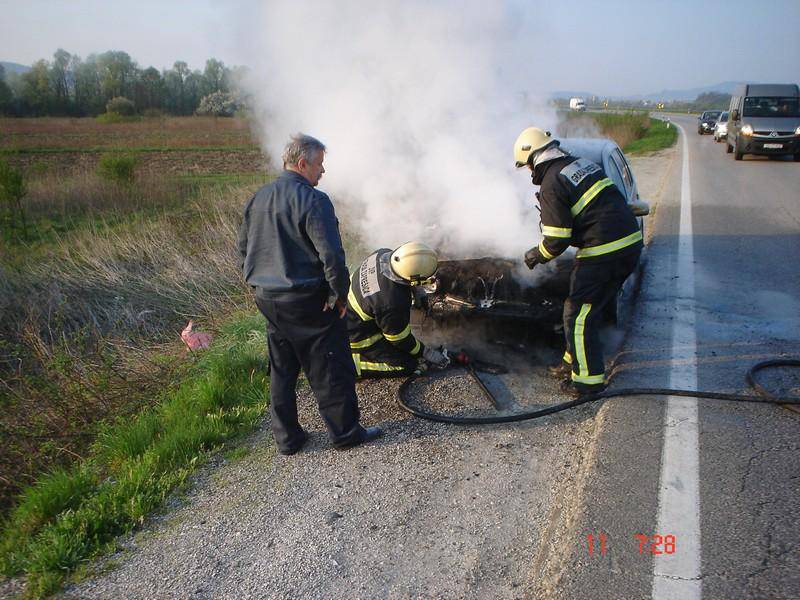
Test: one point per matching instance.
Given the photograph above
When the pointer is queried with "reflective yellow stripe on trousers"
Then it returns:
(367, 342)
(582, 376)
(363, 365)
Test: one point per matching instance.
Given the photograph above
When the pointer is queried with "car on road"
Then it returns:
(721, 127)
(486, 288)
(765, 119)
(706, 121)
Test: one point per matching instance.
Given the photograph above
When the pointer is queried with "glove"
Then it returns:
(436, 358)
(533, 257)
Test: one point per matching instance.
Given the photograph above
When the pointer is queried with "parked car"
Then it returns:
(721, 127)
(765, 119)
(486, 288)
(706, 121)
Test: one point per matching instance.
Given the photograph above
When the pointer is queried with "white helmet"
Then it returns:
(414, 261)
(530, 141)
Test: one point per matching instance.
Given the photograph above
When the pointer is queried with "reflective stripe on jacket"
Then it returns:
(379, 307)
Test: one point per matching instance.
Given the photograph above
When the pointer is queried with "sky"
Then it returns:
(607, 47)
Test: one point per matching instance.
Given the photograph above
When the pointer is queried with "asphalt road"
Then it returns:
(721, 291)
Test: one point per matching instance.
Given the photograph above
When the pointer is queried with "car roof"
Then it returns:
(595, 149)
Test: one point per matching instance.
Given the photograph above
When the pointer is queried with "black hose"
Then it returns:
(762, 396)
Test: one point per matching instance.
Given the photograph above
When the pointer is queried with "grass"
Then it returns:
(72, 516)
(658, 136)
(634, 132)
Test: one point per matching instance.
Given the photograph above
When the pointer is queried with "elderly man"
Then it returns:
(292, 255)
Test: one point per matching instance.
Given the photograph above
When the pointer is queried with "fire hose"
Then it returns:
(474, 366)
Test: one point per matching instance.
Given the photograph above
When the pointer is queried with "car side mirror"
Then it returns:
(640, 208)
(734, 115)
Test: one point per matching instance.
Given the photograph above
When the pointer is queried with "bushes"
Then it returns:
(121, 106)
(119, 168)
(12, 191)
(219, 104)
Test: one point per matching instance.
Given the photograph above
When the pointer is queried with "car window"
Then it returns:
(621, 174)
(767, 106)
(723, 117)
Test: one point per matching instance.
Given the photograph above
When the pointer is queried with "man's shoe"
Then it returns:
(560, 371)
(367, 434)
(580, 390)
(296, 447)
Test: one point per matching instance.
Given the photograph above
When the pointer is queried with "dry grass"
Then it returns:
(622, 128)
(89, 324)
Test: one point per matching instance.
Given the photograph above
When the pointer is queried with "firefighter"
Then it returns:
(379, 312)
(580, 207)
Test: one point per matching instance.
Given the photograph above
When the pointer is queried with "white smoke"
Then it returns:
(419, 104)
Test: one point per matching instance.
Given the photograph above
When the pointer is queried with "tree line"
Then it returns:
(71, 86)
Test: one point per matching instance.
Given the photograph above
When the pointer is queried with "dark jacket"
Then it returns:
(582, 207)
(379, 307)
(289, 241)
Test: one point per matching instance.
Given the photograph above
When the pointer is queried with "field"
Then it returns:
(95, 289)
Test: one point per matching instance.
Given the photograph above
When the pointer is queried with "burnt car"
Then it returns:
(502, 291)
(706, 121)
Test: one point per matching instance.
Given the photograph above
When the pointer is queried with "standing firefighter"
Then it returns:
(580, 207)
(379, 312)
(292, 255)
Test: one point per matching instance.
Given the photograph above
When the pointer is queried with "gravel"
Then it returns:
(428, 510)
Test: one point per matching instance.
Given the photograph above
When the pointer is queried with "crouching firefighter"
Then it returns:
(379, 312)
(580, 207)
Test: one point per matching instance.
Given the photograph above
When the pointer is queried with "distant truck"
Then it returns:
(577, 104)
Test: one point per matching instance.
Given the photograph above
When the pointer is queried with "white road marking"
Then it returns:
(677, 575)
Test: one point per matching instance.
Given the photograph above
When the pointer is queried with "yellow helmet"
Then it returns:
(528, 142)
(414, 261)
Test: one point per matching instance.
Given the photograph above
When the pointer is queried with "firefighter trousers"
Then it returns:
(301, 335)
(382, 359)
(593, 285)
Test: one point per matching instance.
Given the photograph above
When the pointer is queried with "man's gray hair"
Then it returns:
(301, 146)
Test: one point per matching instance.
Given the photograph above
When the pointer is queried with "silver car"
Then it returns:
(721, 127)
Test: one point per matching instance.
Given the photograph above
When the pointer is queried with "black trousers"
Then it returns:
(592, 287)
(301, 335)
(382, 359)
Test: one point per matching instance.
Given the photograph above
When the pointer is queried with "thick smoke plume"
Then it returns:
(419, 104)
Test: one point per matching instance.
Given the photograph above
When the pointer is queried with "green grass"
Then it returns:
(657, 137)
(71, 516)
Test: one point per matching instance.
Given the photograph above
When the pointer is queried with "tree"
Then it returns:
(149, 89)
(117, 74)
(219, 104)
(215, 77)
(62, 82)
(175, 87)
(5, 93)
(89, 98)
(37, 93)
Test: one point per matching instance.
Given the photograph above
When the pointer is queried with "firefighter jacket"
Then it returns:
(379, 307)
(582, 207)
